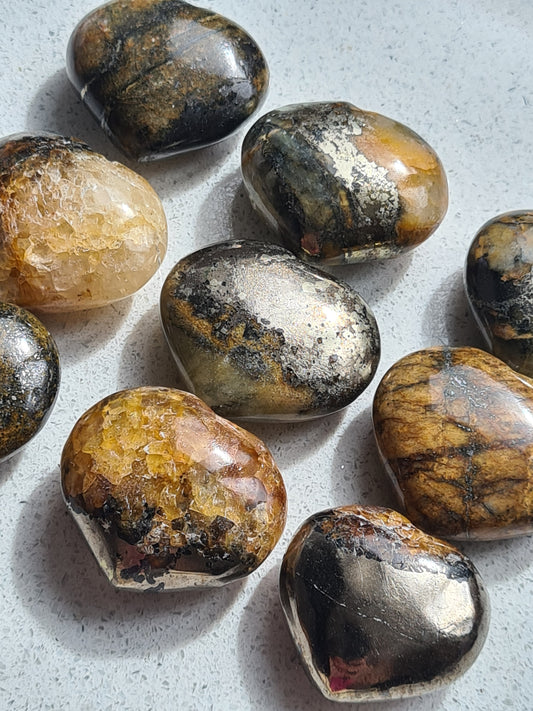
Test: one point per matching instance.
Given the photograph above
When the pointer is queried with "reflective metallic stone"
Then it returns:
(77, 231)
(454, 427)
(29, 377)
(341, 184)
(499, 285)
(168, 494)
(378, 609)
(259, 334)
(163, 76)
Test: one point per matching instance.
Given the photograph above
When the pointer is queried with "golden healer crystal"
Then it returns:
(77, 231)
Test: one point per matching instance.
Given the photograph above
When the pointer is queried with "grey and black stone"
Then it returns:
(377, 608)
(163, 76)
(29, 377)
(499, 286)
(257, 333)
(343, 185)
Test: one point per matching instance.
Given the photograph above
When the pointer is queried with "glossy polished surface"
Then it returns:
(378, 609)
(77, 231)
(163, 76)
(341, 184)
(259, 334)
(499, 285)
(167, 494)
(29, 377)
(454, 427)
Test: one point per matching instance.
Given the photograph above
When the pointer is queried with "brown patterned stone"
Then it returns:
(454, 427)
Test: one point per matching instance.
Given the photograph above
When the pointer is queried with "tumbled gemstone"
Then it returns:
(378, 609)
(163, 76)
(29, 377)
(168, 494)
(454, 427)
(259, 334)
(76, 230)
(343, 185)
(499, 285)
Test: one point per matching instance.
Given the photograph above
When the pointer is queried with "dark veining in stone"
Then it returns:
(163, 76)
(454, 429)
(499, 285)
(260, 334)
(379, 609)
(29, 377)
(21, 150)
(341, 184)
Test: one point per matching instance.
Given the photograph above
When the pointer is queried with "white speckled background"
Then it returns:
(460, 73)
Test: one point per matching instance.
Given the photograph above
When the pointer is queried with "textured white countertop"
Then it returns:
(456, 71)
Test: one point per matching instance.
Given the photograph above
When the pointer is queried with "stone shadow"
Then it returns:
(60, 583)
(79, 334)
(357, 470)
(447, 319)
(292, 442)
(226, 214)
(271, 667)
(146, 358)
(499, 561)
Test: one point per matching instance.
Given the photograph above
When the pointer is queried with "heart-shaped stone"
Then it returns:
(29, 377)
(454, 427)
(343, 185)
(259, 334)
(168, 494)
(77, 231)
(377, 608)
(163, 76)
(499, 285)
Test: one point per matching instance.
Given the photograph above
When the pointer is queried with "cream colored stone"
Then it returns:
(77, 231)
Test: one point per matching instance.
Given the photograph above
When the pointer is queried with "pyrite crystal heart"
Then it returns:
(454, 427)
(499, 286)
(259, 334)
(377, 608)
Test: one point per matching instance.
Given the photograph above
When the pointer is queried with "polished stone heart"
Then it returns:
(259, 334)
(77, 231)
(343, 185)
(163, 76)
(168, 494)
(454, 427)
(499, 285)
(378, 609)
(29, 377)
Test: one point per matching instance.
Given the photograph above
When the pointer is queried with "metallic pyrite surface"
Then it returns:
(258, 333)
(454, 427)
(377, 608)
(168, 494)
(499, 286)
(163, 76)
(343, 185)
(29, 377)
(77, 231)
